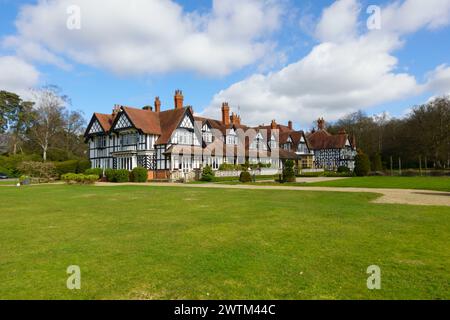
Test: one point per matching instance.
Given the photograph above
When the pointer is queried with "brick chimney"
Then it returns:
(321, 124)
(225, 114)
(116, 109)
(290, 126)
(273, 125)
(157, 104)
(235, 119)
(178, 99)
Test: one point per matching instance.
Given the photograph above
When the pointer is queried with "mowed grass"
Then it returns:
(422, 183)
(135, 242)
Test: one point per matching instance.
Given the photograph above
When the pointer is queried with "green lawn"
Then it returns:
(8, 182)
(423, 183)
(135, 242)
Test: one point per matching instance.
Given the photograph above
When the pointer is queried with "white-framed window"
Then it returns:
(128, 139)
(302, 148)
(100, 142)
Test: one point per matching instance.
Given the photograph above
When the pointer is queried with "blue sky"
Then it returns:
(284, 37)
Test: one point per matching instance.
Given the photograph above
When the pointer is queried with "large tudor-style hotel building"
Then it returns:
(176, 140)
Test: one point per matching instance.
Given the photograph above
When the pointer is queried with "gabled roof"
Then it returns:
(144, 120)
(322, 139)
(105, 121)
(169, 121)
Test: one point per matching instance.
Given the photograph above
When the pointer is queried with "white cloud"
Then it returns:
(438, 80)
(346, 72)
(339, 21)
(17, 75)
(148, 36)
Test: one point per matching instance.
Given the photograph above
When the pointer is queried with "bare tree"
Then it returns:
(48, 117)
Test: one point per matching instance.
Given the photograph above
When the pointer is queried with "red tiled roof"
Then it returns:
(105, 120)
(168, 121)
(145, 120)
(322, 139)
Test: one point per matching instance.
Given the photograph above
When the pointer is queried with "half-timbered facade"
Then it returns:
(332, 151)
(176, 140)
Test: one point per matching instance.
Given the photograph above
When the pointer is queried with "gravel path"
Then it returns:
(396, 196)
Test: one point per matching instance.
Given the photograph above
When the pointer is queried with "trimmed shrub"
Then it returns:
(139, 174)
(69, 166)
(121, 176)
(110, 174)
(94, 171)
(207, 174)
(362, 164)
(79, 178)
(288, 171)
(343, 169)
(83, 165)
(227, 167)
(245, 177)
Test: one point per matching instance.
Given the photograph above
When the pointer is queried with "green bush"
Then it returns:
(79, 178)
(227, 167)
(110, 173)
(139, 174)
(69, 166)
(343, 169)
(10, 164)
(95, 171)
(119, 176)
(83, 165)
(245, 177)
(288, 171)
(362, 165)
(207, 174)
(41, 171)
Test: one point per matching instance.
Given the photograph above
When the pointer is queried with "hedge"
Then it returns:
(139, 174)
(96, 171)
(79, 178)
(72, 166)
(118, 176)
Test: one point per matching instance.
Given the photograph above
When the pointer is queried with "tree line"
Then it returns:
(45, 127)
(419, 140)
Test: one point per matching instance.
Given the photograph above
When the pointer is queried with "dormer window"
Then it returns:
(206, 134)
(232, 138)
(273, 143)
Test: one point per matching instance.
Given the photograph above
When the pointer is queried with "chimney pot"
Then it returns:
(225, 114)
(273, 125)
(157, 104)
(178, 99)
(321, 124)
(290, 125)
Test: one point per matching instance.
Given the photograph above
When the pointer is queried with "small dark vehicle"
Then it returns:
(3, 176)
